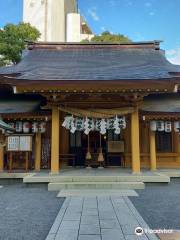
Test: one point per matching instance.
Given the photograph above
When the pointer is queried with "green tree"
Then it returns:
(107, 37)
(13, 41)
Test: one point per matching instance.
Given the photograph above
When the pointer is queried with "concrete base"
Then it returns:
(95, 185)
(100, 177)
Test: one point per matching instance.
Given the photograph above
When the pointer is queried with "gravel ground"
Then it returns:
(27, 213)
(159, 205)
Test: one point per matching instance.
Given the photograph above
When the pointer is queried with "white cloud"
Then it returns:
(93, 13)
(173, 55)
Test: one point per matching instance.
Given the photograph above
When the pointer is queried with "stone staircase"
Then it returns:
(95, 182)
(57, 186)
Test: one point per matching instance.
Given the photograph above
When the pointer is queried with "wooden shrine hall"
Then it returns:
(90, 105)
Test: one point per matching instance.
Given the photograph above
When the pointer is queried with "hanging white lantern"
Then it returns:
(67, 122)
(35, 127)
(177, 126)
(42, 127)
(110, 123)
(167, 126)
(153, 126)
(103, 126)
(19, 127)
(117, 126)
(160, 126)
(79, 124)
(26, 127)
(87, 126)
(116, 122)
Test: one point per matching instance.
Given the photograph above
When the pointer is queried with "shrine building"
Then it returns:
(90, 105)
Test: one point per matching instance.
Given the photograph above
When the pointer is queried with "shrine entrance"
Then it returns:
(111, 146)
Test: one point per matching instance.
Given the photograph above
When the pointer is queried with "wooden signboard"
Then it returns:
(25, 143)
(13, 143)
(19, 143)
(115, 146)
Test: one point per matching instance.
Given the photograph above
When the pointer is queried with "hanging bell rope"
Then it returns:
(88, 155)
(97, 113)
(100, 156)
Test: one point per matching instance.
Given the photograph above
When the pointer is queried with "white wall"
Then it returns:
(73, 27)
(57, 20)
(34, 13)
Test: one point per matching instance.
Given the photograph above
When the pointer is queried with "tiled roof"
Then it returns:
(95, 62)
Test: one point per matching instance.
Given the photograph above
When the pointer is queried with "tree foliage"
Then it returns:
(13, 41)
(107, 37)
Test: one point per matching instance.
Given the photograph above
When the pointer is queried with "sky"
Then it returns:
(140, 20)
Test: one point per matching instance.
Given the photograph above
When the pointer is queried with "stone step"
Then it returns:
(95, 185)
(96, 193)
(126, 178)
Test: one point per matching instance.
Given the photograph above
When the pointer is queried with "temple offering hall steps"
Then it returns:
(55, 186)
(108, 179)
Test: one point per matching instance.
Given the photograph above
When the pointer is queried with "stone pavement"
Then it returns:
(98, 218)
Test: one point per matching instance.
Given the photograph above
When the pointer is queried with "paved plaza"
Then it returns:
(30, 212)
(159, 204)
(27, 213)
(98, 218)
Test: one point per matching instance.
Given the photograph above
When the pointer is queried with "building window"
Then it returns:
(163, 142)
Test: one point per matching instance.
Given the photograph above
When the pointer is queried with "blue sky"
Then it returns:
(140, 20)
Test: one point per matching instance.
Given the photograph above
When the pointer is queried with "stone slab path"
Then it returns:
(98, 218)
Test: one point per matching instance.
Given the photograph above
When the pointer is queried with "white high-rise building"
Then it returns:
(57, 20)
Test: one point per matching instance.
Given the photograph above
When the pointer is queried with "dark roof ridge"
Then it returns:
(63, 45)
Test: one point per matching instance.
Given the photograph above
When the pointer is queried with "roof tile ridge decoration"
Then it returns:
(65, 46)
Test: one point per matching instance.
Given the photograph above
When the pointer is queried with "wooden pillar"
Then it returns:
(177, 145)
(1, 158)
(153, 158)
(55, 141)
(38, 152)
(135, 147)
